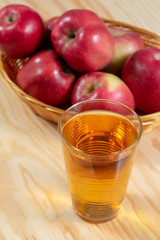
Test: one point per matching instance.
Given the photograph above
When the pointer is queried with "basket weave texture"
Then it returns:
(10, 67)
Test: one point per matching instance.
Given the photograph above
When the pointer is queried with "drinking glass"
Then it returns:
(99, 140)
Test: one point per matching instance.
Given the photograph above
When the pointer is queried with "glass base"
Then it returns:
(97, 216)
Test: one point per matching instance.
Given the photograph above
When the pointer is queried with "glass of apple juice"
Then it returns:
(99, 140)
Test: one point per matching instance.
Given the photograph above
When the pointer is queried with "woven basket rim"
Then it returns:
(132, 27)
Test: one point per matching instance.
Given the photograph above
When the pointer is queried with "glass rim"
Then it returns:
(99, 154)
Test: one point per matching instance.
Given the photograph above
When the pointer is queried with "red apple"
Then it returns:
(142, 74)
(100, 85)
(83, 40)
(126, 43)
(21, 30)
(46, 77)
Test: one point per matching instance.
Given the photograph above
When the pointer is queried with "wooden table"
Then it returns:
(34, 198)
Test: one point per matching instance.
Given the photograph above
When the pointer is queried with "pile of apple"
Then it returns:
(74, 57)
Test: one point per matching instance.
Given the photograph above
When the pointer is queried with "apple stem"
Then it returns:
(91, 89)
(72, 35)
(10, 18)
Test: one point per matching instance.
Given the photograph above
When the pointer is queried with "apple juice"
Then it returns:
(99, 171)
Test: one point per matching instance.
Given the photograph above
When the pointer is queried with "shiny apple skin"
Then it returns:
(83, 40)
(47, 78)
(142, 74)
(100, 85)
(127, 43)
(21, 31)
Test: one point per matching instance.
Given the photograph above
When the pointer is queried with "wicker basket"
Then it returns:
(10, 67)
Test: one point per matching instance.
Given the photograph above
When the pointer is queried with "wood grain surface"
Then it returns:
(34, 197)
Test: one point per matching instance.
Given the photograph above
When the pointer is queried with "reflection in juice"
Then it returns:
(97, 177)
